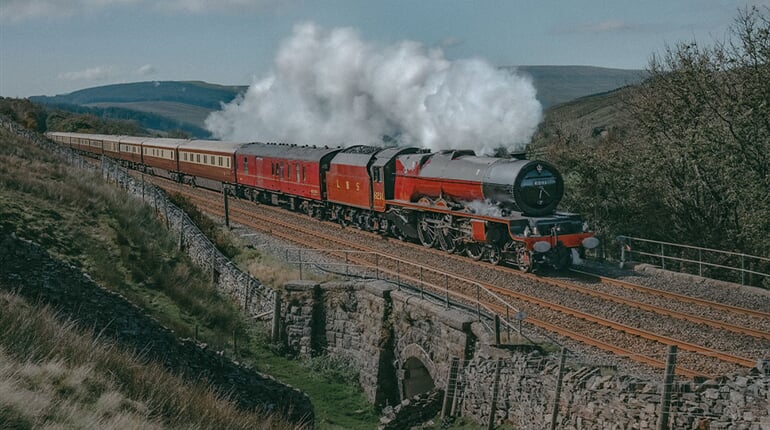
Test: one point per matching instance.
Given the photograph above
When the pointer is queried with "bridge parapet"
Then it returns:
(402, 344)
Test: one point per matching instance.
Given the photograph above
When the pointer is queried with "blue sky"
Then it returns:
(58, 46)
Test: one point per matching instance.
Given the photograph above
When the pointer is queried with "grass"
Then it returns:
(54, 376)
(123, 247)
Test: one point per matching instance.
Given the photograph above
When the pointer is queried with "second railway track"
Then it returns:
(641, 345)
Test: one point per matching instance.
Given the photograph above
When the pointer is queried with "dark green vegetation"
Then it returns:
(683, 157)
(125, 248)
(154, 105)
(41, 118)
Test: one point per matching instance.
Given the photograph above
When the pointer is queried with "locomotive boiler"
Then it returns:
(455, 178)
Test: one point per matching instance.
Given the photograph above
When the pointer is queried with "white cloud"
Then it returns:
(146, 70)
(98, 73)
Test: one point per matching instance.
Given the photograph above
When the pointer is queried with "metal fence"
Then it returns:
(495, 312)
(706, 262)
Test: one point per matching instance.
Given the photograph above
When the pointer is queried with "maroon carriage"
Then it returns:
(284, 174)
(208, 163)
(111, 146)
(161, 155)
(130, 148)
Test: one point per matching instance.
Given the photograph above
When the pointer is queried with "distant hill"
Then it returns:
(166, 105)
(194, 93)
(561, 84)
(184, 105)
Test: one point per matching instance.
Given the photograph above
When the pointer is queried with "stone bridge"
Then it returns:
(402, 344)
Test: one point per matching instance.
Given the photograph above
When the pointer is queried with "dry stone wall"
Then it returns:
(595, 398)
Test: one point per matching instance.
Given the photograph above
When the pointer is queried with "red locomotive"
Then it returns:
(498, 209)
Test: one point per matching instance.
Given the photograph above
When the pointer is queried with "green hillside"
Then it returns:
(155, 105)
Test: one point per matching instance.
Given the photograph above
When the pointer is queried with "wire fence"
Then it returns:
(706, 262)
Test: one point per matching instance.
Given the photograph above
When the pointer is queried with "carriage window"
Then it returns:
(304, 174)
(198, 157)
(245, 165)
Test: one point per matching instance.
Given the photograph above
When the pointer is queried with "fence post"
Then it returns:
(743, 270)
(227, 211)
(700, 262)
(557, 395)
(275, 335)
(668, 381)
(497, 329)
(662, 258)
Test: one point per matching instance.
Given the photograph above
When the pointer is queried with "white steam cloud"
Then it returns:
(332, 88)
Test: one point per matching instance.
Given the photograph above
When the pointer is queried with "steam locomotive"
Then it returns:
(495, 209)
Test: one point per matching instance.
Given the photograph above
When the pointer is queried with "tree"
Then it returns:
(705, 112)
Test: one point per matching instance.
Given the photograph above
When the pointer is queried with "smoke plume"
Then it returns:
(332, 88)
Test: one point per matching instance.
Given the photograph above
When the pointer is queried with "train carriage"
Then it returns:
(274, 171)
(130, 149)
(111, 146)
(61, 138)
(93, 144)
(90, 143)
(161, 155)
(204, 161)
(348, 177)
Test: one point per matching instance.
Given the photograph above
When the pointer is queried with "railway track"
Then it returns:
(643, 345)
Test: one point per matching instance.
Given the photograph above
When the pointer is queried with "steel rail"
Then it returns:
(555, 307)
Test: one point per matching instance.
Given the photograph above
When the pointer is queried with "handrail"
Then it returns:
(627, 250)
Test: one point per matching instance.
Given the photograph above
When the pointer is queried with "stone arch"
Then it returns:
(418, 371)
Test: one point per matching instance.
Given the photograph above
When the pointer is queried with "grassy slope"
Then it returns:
(124, 248)
(50, 373)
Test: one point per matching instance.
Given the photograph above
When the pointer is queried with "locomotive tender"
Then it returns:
(498, 209)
